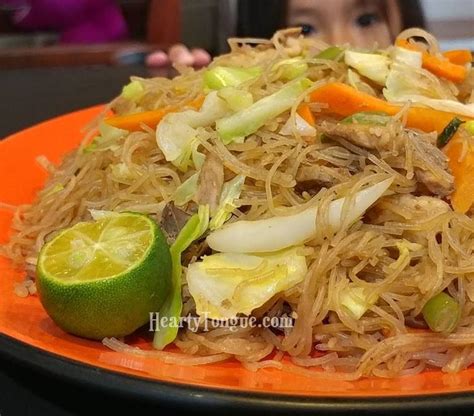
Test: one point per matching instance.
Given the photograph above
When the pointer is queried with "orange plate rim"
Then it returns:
(24, 323)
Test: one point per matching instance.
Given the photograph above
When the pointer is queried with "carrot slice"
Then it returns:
(462, 167)
(343, 100)
(441, 67)
(133, 122)
(306, 114)
(459, 56)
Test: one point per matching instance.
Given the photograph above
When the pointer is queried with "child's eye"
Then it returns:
(367, 19)
(307, 29)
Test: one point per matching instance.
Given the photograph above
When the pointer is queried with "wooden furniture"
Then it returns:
(163, 28)
(70, 55)
(164, 22)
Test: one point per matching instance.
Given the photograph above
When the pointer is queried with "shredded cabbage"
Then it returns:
(371, 65)
(404, 248)
(289, 69)
(406, 56)
(249, 120)
(121, 172)
(224, 284)
(377, 118)
(357, 300)
(133, 91)
(235, 98)
(230, 192)
(176, 133)
(225, 76)
(300, 125)
(332, 53)
(98, 214)
(469, 127)
(186, 191)
(106, 140)
(406, 84)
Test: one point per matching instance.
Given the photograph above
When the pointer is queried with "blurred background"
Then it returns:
(60, 55)
(451, 21)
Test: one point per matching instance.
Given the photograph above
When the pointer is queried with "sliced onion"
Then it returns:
(433, 45)
(277, 233)
(300, 125)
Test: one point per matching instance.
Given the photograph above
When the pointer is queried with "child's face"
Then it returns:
(359, 22)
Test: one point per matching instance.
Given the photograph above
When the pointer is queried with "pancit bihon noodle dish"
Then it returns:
(326, 185)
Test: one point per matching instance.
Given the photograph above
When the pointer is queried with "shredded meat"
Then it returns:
(122, 106)
(430, 163)
(316, 176)
(195, 251)
(211, 179)
(426, 207)
(434, 183)
(409, 207)
(172, 221)
(432, 168)
(369, 137)
(416, 322)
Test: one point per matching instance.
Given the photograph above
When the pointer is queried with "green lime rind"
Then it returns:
(112, 306)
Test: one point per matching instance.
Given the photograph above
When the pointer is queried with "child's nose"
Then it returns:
(338, 34)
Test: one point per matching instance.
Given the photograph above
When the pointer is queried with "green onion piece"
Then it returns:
(230, 192)
(106, 140)
(449, 131)
(236, 99)
(291, 68)
(171, 309)
(249, 120)
(442, 313)
(357, 300)
(332, 53)
(225, 76)
(133, 91)
(56, 188)
(378, 118)
(185, 192)
(469, 126)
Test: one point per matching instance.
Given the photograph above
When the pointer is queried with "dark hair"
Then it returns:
(261, 18)
(412, 13)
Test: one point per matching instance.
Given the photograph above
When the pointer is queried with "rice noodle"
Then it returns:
(433, 45)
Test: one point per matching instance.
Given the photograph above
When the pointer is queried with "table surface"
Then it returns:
(29, 96)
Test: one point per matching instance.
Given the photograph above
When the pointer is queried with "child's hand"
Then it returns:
(178, 54)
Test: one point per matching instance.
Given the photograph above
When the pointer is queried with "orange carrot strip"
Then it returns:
(306, 114)
(133, 122)
(444, 69)
(437, 66)
(343, 100)
(459, 56)
(463, 172)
